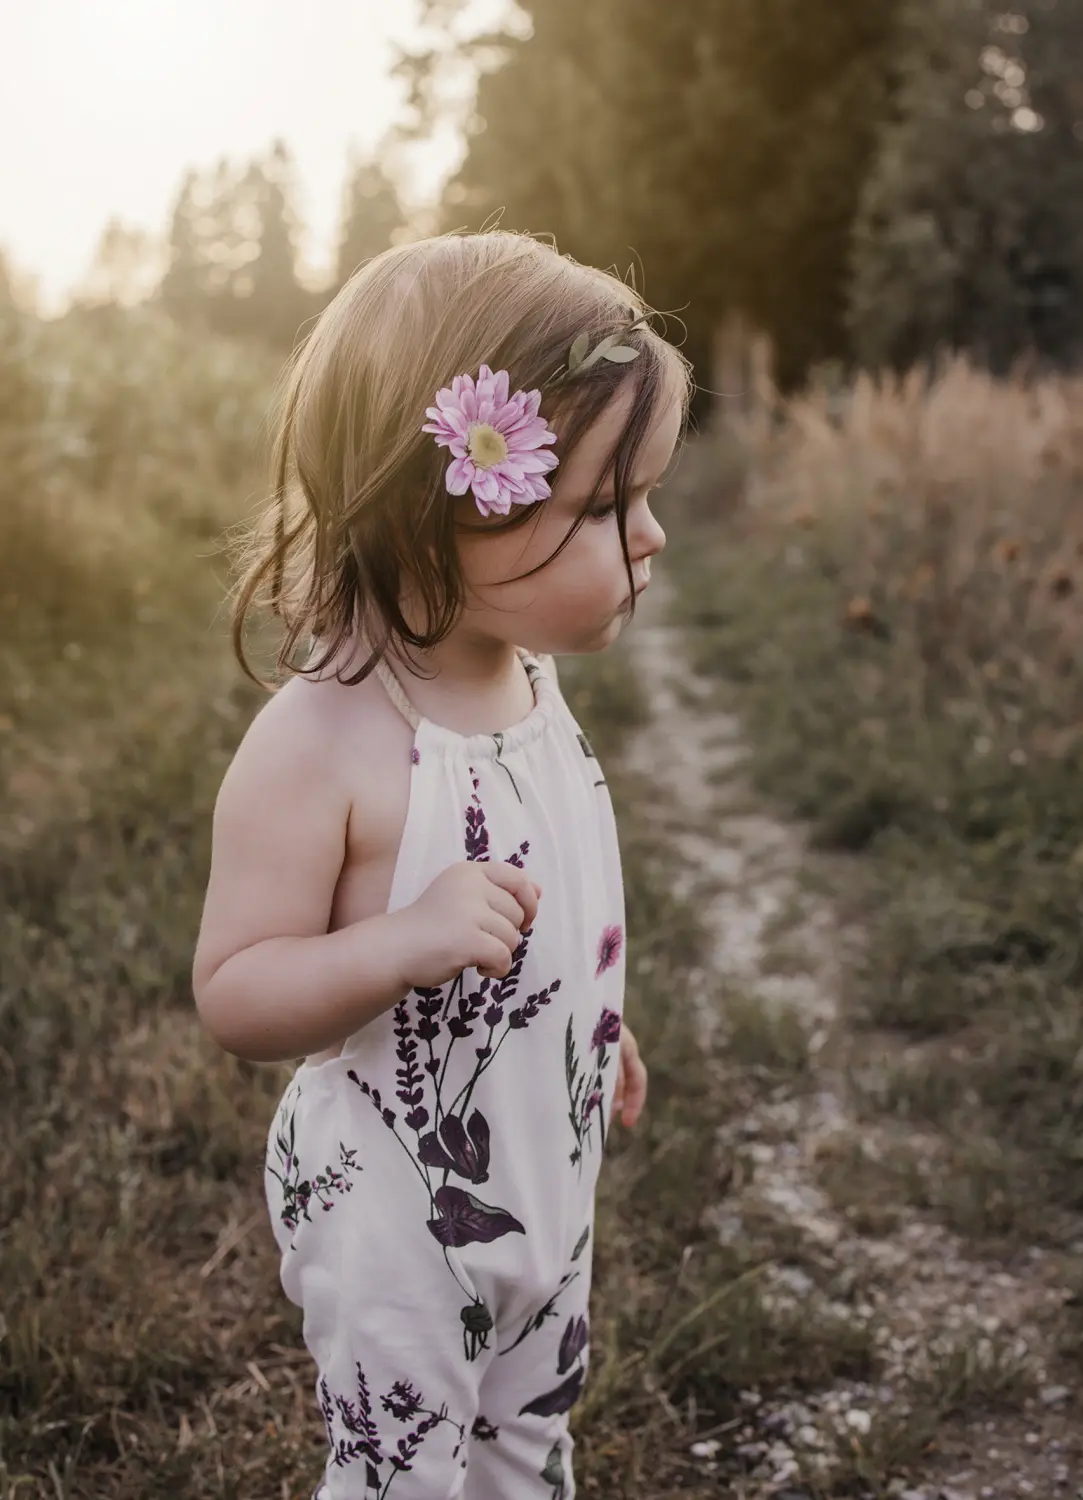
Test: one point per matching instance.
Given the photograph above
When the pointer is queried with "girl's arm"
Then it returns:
(270, 982)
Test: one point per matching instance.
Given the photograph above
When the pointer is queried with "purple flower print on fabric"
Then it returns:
(571, 1357)
(557, 1401)
(297, 1190)
(586, 1081)
(465, 1220)
(444, 1135)
(572, 1344)
(415, 756)
(402, 1401)
(586, 1085)
(607, 1030)
(477, 835)
(354, 1436)
(461, 1149)
(609, 946)
(575, 1338)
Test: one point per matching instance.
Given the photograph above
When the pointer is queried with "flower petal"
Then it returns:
(469, 401)
(505, 418)
(486, 484)
(460, 476)
(533, 463)
(500, 505)
(500, 391)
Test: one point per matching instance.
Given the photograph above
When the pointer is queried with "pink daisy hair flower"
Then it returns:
(498, 442)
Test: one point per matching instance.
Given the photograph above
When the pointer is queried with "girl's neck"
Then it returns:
(464, 691)
(469, 660)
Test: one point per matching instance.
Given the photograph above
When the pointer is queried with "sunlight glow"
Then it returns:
(106, 103)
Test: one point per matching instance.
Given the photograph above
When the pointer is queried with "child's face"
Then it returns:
(580, 601)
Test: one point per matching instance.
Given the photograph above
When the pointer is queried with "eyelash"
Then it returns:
(602, 515)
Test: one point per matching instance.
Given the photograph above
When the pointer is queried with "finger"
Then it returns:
(502, 928)
(526, 893)
(516, 897)
(635, 1095)
(517, 883)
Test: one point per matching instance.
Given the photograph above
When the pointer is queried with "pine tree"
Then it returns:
(181, 289)
(371, 213)
(721, 143)
(232, 258)
(125, 269)
(277, 305)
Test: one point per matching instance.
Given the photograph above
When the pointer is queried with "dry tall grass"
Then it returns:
(145, 1346)
(896, 583)
(956, 506)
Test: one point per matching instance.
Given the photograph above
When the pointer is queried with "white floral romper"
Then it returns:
(432, 1188)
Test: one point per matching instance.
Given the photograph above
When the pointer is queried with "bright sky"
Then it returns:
(106, 103)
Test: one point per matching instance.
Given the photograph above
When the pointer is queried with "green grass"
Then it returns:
(963, 864)
(147, 1347)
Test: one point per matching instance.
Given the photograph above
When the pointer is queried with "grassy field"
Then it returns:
(145, 1344)
(897, 595)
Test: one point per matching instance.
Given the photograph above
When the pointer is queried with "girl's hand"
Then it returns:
(630, 1094)
(469, 917)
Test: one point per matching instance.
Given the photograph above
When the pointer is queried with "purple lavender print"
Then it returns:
(445, 1136)
(362, 1438)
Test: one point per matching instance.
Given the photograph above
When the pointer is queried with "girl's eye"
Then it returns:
(608, 509)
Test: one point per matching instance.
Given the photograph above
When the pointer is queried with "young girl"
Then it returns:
(415, 880)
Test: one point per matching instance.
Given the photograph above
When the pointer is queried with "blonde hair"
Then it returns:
(359, 504)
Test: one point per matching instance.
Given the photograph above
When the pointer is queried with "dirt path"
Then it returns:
(974, 1334)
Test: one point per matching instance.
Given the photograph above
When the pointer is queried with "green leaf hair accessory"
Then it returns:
(609, 348)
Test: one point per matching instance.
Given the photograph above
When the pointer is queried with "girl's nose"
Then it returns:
(653, 538)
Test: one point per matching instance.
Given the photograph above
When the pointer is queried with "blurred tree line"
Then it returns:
(865, 181)
(232, 255)
(230, 260)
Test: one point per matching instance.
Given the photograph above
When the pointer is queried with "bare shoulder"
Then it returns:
(293, 741)
(280, 823)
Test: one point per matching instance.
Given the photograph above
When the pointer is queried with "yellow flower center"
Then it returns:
(486, 446)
